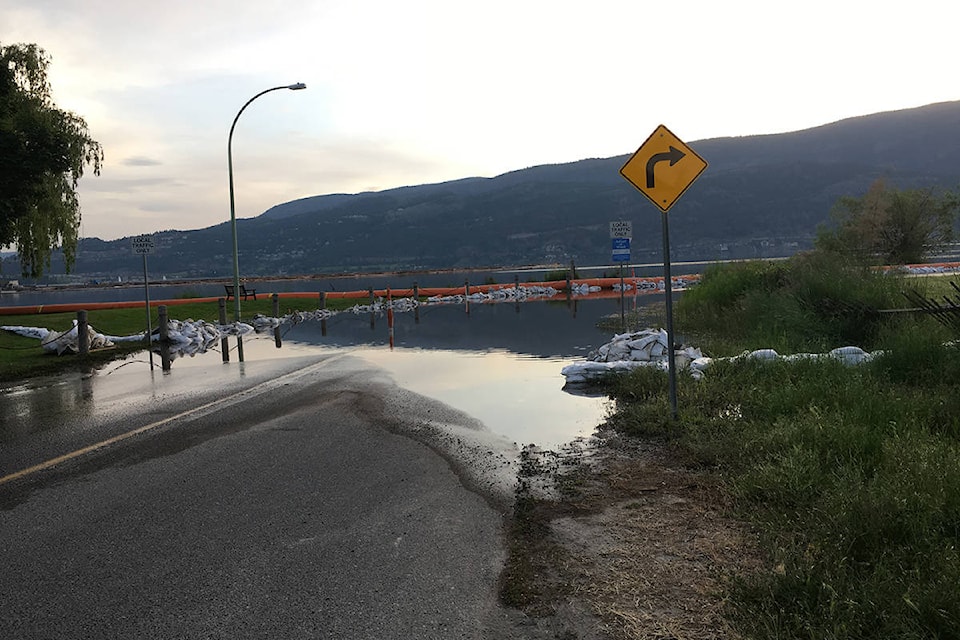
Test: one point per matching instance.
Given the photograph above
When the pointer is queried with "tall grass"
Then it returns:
(812, 302)
(850, 475)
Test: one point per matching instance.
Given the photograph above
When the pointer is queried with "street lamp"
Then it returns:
(233, 211)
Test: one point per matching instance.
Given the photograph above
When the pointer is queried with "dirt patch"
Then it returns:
(631, 536)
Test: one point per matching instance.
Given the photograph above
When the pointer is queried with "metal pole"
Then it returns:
(146, 297)
(233, 210)
(668, 292)
(623, 316)
(233, 229)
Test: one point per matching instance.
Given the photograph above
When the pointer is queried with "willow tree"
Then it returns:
(43, 153)
(891, 226)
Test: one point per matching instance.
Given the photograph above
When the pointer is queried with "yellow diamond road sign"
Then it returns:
(663, 167)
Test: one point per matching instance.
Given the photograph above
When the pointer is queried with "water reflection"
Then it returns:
(40, 404)
(499, 363)
(539, 328)
(515, 396)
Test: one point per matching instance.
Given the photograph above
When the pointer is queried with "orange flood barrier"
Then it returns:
(606, 285)
(73, 307)
(638, 285)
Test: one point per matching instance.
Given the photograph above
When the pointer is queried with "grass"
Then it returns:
(22, 357)
(812, 302)
(850, 475)
(556, 275)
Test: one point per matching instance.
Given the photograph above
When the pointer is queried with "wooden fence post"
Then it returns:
(323, 305)
(164, 338)
(83, 334)
(276, 314)
(224, 342)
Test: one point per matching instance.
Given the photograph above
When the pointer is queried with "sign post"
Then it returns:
(621, 234)
(662, 169)
(143, 245)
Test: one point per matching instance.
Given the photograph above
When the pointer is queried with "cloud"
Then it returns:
(432, 90)
(140, 161)
(163, 206)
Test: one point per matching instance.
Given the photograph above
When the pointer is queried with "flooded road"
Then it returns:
(310, 501)
(334, 487)
(499, 363)
(514, 396)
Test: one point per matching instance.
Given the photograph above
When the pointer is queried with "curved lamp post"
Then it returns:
(233, 211)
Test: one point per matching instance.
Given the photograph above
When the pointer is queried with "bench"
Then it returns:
(243, 291)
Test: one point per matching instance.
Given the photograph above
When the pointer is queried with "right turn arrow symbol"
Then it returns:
(674, 156)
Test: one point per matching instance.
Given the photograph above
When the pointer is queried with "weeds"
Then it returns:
(851, 475)
(812, 302)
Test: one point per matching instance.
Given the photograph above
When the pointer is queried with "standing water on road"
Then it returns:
(499, 363)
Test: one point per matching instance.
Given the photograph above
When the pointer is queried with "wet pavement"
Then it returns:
(318, 490)
(310, 499)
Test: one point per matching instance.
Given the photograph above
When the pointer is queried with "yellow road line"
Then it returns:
(129, 434)
(106, 443)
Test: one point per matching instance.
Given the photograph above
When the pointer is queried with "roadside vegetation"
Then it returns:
(850, 475)
(844, 480)
(810, 303)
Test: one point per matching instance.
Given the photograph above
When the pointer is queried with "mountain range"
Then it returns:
(761, 195)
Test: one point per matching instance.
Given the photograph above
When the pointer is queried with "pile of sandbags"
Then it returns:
(69, 341)
(650, 348)
(846, 355)
(627, 351)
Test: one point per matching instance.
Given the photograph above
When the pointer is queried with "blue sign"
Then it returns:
(620, 249)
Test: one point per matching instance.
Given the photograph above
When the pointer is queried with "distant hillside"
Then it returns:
(762, 195)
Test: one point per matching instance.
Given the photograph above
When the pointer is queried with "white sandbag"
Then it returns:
(849, 355)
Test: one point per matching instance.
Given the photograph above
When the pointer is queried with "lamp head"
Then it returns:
(297, 86)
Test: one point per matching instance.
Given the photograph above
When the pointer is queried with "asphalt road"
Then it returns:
(302, 498)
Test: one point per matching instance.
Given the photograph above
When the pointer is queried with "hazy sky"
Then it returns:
(418, 91)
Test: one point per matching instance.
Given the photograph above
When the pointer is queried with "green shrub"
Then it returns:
(812, 302)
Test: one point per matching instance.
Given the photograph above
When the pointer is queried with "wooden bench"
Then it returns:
(243, 291)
